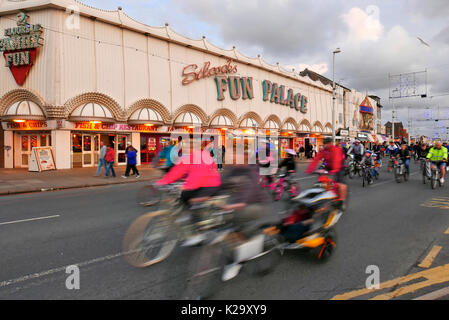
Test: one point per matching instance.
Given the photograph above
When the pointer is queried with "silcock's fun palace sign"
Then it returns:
(20, 46)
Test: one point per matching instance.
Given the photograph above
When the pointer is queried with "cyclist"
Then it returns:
(357, 150)
(438, 156)
(332, 156)
(368, 161)
(202, 177)
(423, 151)
(289, 162)
(404, 155)
(421, 155)
(391, 151)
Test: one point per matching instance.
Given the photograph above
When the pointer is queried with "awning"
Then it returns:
(380, 139)
(370, 138)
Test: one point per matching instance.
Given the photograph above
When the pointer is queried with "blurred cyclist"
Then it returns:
(202, 177)
(438, 156)
(332, 156)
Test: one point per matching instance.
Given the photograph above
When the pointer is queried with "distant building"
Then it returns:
(400, 133)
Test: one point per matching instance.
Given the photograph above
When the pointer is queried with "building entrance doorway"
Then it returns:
(27, 143)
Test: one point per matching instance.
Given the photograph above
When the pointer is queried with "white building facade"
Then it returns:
(76, 75)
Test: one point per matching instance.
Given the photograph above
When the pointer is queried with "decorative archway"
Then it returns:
(190, 109)
(318, 127)
(95, 98)
(305, 126)
(256, 119)
(272, 122)
(223, 118)
(328, 128)
(18, 95)
(289, 124)
(148, 111)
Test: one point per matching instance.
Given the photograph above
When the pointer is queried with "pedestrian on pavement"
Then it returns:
(101, 160)
(110, 159)
(129, 147)
(301, 153)
(131, 163)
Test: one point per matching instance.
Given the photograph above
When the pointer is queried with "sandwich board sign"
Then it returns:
(42, 159)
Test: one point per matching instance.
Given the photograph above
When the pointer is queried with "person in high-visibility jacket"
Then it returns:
(438, 156)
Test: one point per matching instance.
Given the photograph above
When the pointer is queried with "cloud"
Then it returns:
(362, 27)
(277, 29)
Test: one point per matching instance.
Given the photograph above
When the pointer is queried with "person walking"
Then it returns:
(110, 159)
(302, 153)
(101, 160)
(132, 162)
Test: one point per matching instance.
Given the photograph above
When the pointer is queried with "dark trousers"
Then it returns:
(128, 169)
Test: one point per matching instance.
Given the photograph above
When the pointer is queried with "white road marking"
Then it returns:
(28, 220)
(56, 270)
(389, 181)
(435, 295)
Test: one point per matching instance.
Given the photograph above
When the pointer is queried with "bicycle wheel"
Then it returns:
(406, 175)
(433, 180)
(351, 171)
(150, 239)
(360, 172)
(206, 271)
(364, 180)
(397, 175)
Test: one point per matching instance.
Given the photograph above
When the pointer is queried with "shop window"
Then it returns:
(87, 143)
(43, 139)
(76, 143)
(25, 143)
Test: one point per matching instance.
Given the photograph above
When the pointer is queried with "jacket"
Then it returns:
(437, 155)
(110, 155)
(199, 169)
(332, 156)
(132, 157)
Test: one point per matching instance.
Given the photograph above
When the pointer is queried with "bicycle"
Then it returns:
(151, 238)
(400, 171)
(424, 170)
(435, 174)
(367, 177)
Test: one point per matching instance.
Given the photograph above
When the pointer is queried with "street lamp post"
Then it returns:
(333, 94)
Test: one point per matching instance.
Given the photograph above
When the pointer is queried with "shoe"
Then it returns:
(442, 180)
(138, 177)
(231, 271)
(124, 177)
(194, 240)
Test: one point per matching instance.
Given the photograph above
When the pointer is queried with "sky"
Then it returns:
(377, 38)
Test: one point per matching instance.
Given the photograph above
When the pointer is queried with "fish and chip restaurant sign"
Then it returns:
(242, 87)
(20, 46)
(113, 127)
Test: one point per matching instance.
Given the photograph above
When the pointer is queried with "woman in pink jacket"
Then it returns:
(202, 177)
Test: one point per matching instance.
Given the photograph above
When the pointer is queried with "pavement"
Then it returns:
(16, 181)
(399, 230)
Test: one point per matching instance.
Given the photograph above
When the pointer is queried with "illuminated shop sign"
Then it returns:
(191, 72)
(279, 94)
(242, 88)
(114, 127)
(20, 47)
(27, 125)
